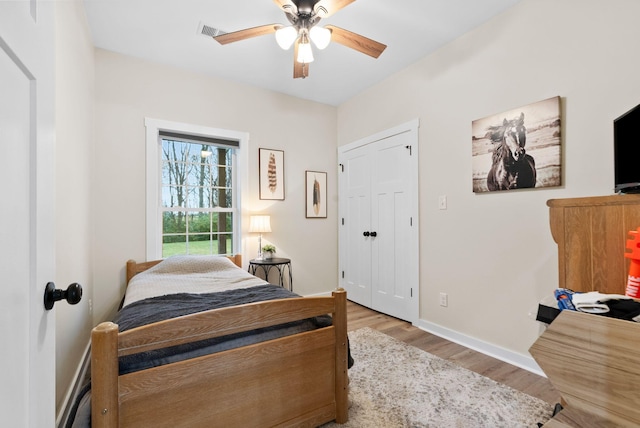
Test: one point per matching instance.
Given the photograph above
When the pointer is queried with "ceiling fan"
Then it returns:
(304, 15)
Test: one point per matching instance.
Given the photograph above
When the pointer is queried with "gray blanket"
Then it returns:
(160, 308)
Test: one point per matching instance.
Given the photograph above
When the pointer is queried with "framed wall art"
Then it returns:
(271, 174)
(518, 149)
(316, 194)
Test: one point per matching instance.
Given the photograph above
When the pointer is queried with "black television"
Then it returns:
(626, 151)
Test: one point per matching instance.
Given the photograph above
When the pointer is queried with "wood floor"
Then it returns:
(517, 378)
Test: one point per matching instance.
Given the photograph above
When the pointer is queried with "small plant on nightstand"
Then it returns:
(267, 251)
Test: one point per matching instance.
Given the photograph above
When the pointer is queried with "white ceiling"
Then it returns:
(167, 31)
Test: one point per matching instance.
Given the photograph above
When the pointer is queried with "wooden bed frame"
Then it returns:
(298, 380)
(592, 360)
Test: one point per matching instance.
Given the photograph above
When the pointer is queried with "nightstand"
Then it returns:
(281, 264)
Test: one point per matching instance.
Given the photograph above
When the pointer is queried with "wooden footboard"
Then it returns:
(298, 380)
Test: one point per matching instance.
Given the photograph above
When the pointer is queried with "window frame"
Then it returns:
(154, 207)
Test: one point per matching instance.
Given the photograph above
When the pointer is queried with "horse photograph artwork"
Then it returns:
(518, 149)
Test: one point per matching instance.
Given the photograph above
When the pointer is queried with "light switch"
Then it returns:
(442, 202)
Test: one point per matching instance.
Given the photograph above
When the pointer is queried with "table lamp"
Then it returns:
(260, 224)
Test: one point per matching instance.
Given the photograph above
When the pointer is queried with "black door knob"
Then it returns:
(72, 294)
(374, 234)
(366, 234)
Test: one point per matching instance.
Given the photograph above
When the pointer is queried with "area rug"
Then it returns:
(393, 384)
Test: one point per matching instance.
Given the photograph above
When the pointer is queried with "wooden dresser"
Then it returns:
(593, 361)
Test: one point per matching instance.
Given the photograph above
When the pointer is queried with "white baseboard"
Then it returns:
(524, 362)
(510, 357)
(62, 417)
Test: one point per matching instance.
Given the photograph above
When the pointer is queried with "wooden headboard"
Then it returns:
(591, 234)
(134, 268)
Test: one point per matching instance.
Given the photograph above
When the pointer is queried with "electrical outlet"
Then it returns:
(444, 299)
(442, 202)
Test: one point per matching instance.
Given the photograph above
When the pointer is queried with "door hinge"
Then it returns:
(410, 221)
(342, 274)
(411, 289)
(341, 167)
(343, 221)
(410, 150)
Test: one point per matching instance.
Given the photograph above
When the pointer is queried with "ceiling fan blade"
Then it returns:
(287, 5)
(330, 6)
(299, 69)
(248, 33)
(356, 41)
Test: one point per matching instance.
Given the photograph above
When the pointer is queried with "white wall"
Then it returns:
(493, 253)
(74, 136)
(128, 90)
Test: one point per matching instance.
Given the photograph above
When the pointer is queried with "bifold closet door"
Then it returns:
(355, 224)
(378, 231)
(392, 223)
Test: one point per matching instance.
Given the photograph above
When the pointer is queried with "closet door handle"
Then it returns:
(366, 234)
(374, 234)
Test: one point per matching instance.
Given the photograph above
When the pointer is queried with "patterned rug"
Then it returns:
(393, 384)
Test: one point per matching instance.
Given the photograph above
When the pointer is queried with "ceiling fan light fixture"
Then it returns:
(303, 16)
(305, 55)
(285, 37)
(320, 36)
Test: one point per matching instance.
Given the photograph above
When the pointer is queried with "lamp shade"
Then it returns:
(305, 55)
(320, 36)
(260, 223)
(285, 37)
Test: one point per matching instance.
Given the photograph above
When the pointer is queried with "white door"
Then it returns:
(379, 216)
(355, 204)
(27, 330)
(393, 224)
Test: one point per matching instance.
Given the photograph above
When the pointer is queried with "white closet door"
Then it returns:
(391, 220)
(379, 222)
(355, 203)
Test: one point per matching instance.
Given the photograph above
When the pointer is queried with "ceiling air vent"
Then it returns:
(208, 31)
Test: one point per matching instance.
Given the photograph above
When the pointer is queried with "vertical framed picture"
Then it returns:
(316, 194)
(271, 174)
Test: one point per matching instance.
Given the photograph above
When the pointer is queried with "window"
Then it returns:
(192, 190)
(197, 198)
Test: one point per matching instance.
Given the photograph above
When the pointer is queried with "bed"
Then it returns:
(296, 378)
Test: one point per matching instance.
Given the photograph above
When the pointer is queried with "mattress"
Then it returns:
(188, 274)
